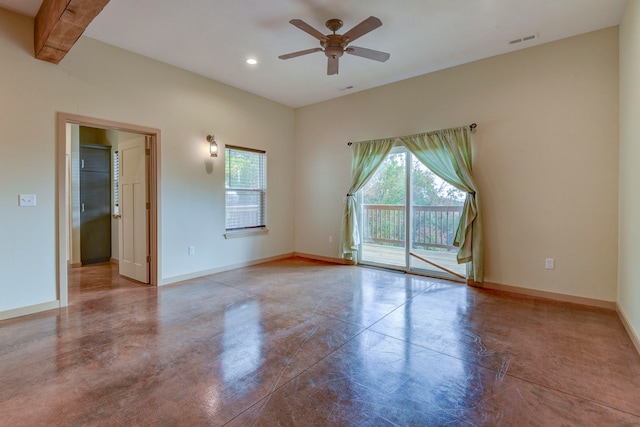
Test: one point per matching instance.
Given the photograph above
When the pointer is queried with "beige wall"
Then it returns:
(629, 217)
(546, 158)
(101, 81)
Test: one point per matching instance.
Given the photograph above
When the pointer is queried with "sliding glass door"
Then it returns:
(383, 213)
(404, 191)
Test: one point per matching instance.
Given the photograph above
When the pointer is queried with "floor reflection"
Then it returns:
(242, 341)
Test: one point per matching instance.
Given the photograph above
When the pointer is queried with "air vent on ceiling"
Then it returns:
(525, 39)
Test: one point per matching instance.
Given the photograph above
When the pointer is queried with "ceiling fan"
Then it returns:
(335, 45)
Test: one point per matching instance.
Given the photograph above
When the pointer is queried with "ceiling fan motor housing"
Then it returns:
(333, 45)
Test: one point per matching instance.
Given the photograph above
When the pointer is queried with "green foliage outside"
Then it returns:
(242, 169)
(387, 187)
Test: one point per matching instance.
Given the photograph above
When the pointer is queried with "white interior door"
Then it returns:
(133, 232)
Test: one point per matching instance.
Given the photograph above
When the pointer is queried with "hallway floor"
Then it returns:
(303, 343)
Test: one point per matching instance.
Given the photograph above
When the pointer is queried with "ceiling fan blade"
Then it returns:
(307, 28)
(369, 24)
(332, 65)
(300, 53)
(376, 55)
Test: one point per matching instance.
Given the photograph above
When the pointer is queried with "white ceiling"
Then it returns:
(213, 38)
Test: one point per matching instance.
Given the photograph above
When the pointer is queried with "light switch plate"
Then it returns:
(27, 200)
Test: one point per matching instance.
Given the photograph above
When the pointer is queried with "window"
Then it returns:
(116, 181)
(246, 188)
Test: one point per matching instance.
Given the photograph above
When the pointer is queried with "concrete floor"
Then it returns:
(304, 343)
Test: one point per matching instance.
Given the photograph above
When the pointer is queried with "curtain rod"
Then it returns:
(472, 127)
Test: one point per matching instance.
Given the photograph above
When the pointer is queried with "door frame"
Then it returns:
(62, 208)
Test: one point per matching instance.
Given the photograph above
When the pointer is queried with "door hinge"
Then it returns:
(147, 151)
(148, 205)
(148, 258)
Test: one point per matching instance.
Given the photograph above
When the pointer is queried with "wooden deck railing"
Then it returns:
(433, 226)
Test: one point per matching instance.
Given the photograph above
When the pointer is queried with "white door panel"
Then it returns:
(133, 238)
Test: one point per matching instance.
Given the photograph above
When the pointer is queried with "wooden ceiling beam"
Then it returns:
(60, 23)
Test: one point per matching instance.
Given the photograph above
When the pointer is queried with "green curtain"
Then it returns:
(367, 156)
(448, 154)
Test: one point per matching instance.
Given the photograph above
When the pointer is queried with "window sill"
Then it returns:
(245, 233)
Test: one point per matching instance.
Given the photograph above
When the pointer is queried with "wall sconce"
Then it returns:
(213, 146)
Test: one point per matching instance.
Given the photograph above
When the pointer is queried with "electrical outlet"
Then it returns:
(330, 239)
(550, 263)
(27, 200)
(192, 250)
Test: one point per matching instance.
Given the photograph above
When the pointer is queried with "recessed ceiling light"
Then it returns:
(252, 61)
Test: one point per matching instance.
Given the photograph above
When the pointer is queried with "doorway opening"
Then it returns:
(93, 209)
(409, 218)
(142, 145)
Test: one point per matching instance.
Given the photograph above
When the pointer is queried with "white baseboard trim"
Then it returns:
(202, 273)
(635, 339)
(23, 311)
(611, 305)
(323, 258)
